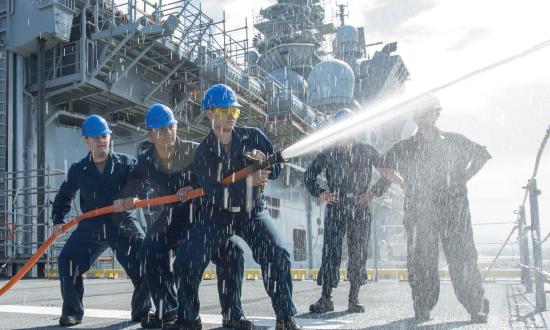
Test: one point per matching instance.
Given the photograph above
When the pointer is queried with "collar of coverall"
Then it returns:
(87, 162)
(238, 134)
(112, 155)
(181, 146)
(440, 135)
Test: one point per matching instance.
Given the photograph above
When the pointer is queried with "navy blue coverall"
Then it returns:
(437, 210)
(171, 225)
(121, 231)
(348, 172)
(226, 214)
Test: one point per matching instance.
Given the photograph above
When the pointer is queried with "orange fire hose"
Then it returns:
(237, 176)
(91, 214)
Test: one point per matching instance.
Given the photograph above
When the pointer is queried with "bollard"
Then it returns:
(540, 295)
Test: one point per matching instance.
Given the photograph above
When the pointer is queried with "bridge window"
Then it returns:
(299, 237)
(273, 206)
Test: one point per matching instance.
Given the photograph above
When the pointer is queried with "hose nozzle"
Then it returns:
(276, 158)
(256, 165)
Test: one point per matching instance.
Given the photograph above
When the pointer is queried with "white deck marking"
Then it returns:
(211, 319)
(43, 310)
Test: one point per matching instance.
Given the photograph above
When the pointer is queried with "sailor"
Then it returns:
(165, 169)
(435, 167)
(236, 209)
(348, 171)
(100, 177)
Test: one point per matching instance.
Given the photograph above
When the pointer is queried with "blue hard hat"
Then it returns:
(95, 125)
(341, 114)
(159, 115)
(219, 96)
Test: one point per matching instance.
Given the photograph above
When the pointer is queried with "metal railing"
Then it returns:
(19, 225)
(192, 21)
(527, 269)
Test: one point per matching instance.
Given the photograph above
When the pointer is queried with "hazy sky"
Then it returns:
(507, 110)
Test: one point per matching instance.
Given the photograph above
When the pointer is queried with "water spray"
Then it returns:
(389, 110)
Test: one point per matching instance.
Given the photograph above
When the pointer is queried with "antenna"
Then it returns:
(342, 13)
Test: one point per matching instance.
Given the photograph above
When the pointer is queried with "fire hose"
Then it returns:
(276, 158)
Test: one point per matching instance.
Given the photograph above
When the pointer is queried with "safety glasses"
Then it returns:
(232, 112)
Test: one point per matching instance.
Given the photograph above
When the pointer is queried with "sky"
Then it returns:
(507, 110)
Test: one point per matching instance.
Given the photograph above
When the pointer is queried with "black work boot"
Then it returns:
(355, 307)
(152, 321)
(242, 323)
(287, 323)
(323, 305)
(184, 325)
(482, 315)
(422, 316)
(137, 317)
(353, 299)
(69, 321)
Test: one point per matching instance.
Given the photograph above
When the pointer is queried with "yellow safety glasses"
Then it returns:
(233, 112)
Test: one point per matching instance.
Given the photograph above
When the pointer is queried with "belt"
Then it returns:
(234, 209)
(239, 209)
(349, 195)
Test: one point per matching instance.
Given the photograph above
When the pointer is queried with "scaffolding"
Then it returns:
(3, 102)
(20, 231)
(124, 56)
(120, 57)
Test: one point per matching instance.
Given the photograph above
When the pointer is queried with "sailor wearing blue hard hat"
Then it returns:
(237, 209)
(165, 168)
(99, 177)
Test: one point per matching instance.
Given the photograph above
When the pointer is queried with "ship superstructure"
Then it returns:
(61, 60)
